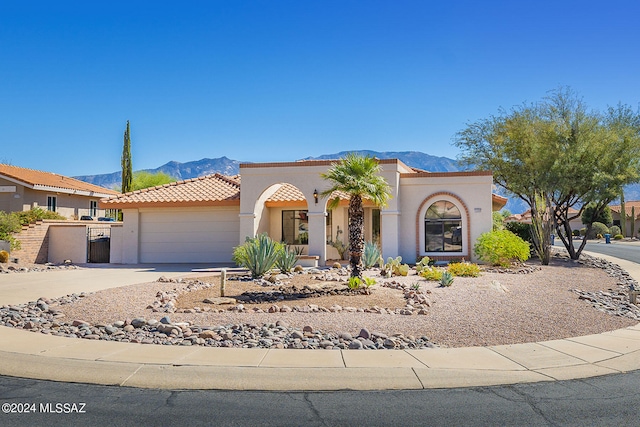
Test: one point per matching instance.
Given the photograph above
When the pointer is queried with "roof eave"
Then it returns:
(70, 191)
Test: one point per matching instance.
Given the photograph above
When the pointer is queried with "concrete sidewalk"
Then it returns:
(39, 356)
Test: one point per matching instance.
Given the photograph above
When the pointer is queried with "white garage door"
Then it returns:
(186, 236)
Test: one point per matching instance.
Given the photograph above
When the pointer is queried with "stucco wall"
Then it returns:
(257, 180)
(68, 242)
(471, 194)
(116, 248)
(176, 235)
(23, 199)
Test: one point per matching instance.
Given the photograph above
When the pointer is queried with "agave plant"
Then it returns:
(371, 255)
(446, 280)
(258, 254)
(287, 259)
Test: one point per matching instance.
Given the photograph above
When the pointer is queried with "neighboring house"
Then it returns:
(201, 220)
(631, 207)
(525, 218)
(22, 189)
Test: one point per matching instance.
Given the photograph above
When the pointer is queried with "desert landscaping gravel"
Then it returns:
(564, 299)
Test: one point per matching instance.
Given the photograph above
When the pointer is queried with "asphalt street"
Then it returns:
(628, 251)
(611, 400)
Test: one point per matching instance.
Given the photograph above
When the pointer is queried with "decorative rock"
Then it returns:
(138, 322)
(355, 345)
(220, 300)
(208, 334)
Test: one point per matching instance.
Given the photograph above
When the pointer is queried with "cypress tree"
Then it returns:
(127, 170)
(623, 215)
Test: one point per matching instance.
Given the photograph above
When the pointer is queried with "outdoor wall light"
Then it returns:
(315, 196)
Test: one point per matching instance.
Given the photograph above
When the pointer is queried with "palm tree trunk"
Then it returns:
(356, 235)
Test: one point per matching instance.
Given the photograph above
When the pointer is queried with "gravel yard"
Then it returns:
(495, 308)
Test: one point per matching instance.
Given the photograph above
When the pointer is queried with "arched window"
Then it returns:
(443, 228)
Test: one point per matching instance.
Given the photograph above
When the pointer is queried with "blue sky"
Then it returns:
(282, 80)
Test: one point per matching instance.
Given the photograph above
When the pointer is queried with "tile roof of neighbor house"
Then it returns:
(210, 190)
(627, 207)
(48, 181)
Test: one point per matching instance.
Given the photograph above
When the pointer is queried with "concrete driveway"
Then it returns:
(16, 288)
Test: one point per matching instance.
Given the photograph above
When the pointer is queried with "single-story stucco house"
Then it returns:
(22, 189)
(525, 218)
(201, 220)
(632, 208)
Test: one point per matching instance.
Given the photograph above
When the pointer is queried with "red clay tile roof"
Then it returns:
(48, 181)
(627, 208)
(290, 193)
(287, 193)
(210, 190)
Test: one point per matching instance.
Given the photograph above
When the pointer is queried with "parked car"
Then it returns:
(104, 218)
(86, 218)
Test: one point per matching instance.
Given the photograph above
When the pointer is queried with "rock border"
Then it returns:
(41, 316)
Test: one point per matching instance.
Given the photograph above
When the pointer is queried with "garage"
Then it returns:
(195, 235)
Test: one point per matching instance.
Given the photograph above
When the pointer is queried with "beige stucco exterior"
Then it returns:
(402, 224)
(68, 242)
(15, 197)
(402, 220)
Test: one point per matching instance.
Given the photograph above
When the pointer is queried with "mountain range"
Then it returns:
(226, 166)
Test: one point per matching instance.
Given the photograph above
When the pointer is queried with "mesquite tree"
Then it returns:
(557, 155)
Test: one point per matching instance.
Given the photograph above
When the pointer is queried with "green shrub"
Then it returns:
(37, 214)
(464, 269)
(583, 231)
(588, 215)
(501, 248)
(258, 254)
(9, 224)
(575, 233)
(614, 230)
(432, 274)
(371, 255)
(369, 281)
(356, 282)
(520, 229)
(446, 280)
(498, 221)
(4, 257)
(618, 237)
(598, 228)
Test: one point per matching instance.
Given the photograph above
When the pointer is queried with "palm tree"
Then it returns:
(358, 177)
